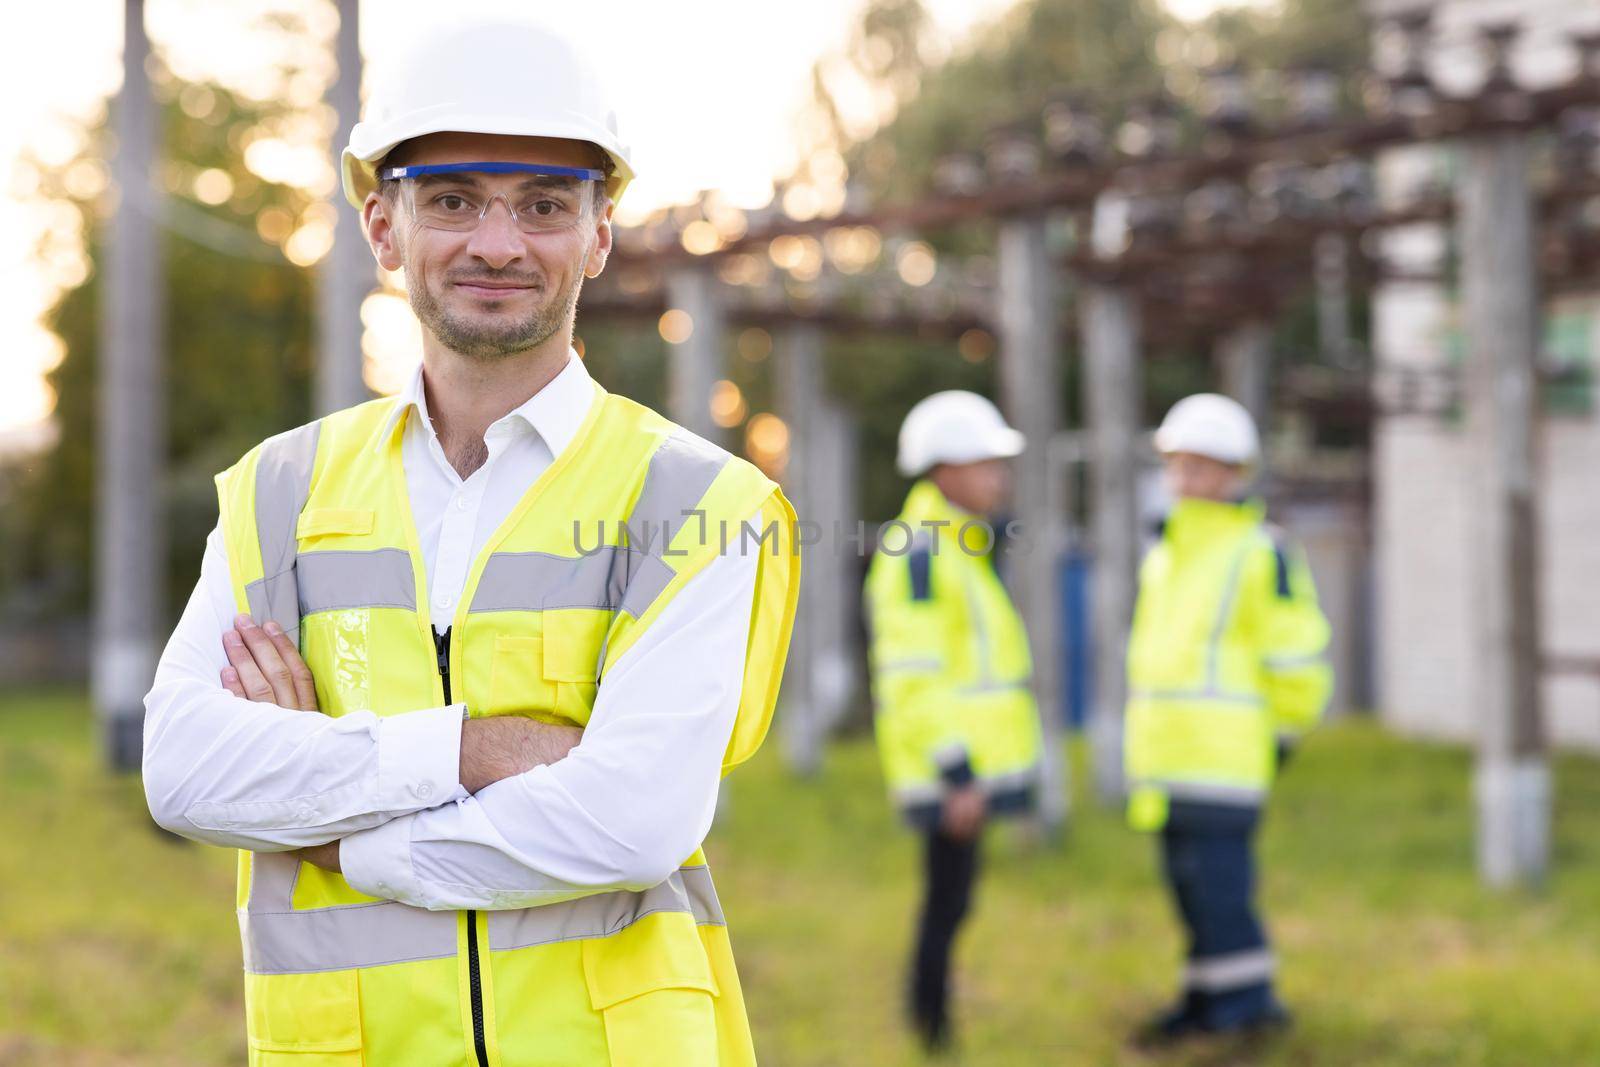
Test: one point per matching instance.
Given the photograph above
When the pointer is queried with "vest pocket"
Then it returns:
(304, 1020)
(653, 986)
(314, 522)
(517, 684)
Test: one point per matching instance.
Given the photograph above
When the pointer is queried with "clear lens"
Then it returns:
(538, 207)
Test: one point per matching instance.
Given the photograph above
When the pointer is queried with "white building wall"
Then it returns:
(1427, 557)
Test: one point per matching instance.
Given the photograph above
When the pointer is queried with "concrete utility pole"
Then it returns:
(1501, 310)
(1331, 257)
(1030, 301)
(801, 401)
(130, 552)
(1244, 363)
(695, 364)
(1112, 393)
(347, 275)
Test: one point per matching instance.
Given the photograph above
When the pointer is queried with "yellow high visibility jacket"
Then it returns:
(1227, 655)
(320, 538)
(950, 663)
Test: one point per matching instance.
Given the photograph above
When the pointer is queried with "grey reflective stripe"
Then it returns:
(650, 576)
(333, 581)
(688, 890)
(681, 469)
(981, 629)
(338, 939)
(283, 481)
(1242, 701)
(910, 663)
(534, 581)
(278, 940)
(1241, 796)
(1218, 974)
(996, 686)
(1290, 663)
(1230, 593)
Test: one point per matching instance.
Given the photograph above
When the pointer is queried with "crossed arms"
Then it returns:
(426, 809)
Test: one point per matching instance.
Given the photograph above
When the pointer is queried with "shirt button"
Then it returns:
(383, 887)
(306, 815)
(443, 601)
(461, 503)
(424, 790)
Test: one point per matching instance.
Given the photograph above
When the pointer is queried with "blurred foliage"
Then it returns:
(239, 314)
(1391, 952)
(238, 360)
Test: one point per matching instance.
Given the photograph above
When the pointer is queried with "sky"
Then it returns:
(708, 91)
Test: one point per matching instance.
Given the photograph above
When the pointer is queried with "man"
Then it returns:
(1226, 669)
(957, 727)
(476, 853)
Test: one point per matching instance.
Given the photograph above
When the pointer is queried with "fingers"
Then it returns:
(305, 688)
(262, 672)
(230, 682)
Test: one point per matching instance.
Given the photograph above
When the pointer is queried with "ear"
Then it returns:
(595, 262)
(382, 234)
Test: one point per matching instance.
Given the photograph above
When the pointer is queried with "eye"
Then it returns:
(453, 203)
(548, 208)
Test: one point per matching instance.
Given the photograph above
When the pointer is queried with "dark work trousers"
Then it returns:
(950, 868)
(1210, 866)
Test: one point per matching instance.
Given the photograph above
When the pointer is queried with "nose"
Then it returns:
(496, 239)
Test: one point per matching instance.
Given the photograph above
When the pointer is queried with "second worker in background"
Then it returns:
(1226, 668)
(957, 725)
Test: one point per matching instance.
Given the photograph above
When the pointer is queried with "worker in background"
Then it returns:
(1226, 670)
(469, 740)
(957, 726)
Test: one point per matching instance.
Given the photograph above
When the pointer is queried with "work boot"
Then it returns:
(1171, 1027)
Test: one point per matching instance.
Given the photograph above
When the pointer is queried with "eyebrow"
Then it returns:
(555, 182)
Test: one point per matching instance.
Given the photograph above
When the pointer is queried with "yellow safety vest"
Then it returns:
(1227, 654)
(319, 537)
(950, 663)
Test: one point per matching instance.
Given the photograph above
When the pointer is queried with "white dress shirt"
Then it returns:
(630, 803)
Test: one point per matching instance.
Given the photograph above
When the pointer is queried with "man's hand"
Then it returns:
(324, 856)
(964, 811)
(504, 746)
(264, 666)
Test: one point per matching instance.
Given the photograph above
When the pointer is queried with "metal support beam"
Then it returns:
(1029, 306)
(1112, 394)
(347, 274)
(800, 403)
(1500, 304)
(695, 364)
(1332, 273)
(129, 546)
(1244, 365)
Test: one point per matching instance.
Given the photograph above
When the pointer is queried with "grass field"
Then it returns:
(118, 946)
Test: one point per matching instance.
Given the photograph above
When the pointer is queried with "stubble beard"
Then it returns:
(486, 339)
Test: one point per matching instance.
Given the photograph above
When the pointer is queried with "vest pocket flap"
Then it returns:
(660, 951)
(572, 640)
(314, 522)
(317, 1012)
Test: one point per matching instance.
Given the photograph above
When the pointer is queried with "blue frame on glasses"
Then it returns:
(549, 170)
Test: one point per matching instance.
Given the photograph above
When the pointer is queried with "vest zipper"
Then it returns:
(441, 646)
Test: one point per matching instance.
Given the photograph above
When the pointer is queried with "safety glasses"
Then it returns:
(456, 197)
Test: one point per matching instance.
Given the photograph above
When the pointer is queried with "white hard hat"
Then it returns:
(1212, 425)
(485, 77)
(954, 427)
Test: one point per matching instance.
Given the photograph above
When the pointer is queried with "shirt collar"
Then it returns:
(554, 412)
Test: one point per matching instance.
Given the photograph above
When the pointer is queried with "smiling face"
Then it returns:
(491, 290)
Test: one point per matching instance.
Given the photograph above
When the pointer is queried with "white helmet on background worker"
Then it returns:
(954, 426)
(485, 77)
(1211, 425)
